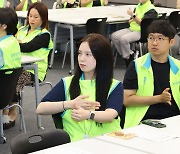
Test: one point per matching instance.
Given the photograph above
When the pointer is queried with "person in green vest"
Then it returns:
(122, 38)
(4, 3)
(89, 102)
(152, 82)
(10, 53)
(91, 3)
(34, 40)
(23, 5)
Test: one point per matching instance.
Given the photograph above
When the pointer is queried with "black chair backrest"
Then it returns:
(144, 26)
(162, 16)
(38, 140)
(8, 82)
(96, 25)
(174, 19)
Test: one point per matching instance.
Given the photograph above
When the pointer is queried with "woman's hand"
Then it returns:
(85, 104)
(79, 114)
(130, 12)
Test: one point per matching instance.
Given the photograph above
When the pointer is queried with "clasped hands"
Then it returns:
(82, 106)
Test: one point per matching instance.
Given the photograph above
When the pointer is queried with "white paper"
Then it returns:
(150, 134)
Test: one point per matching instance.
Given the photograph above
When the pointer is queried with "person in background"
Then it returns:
(10, 54)
(90, 3)
(34, 40)
(122, 38)
(90, 101)
(23, 5)
(151, 82)
(4, 3)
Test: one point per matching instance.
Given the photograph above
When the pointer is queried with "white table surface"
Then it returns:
(78, 16)
(112, 145)
(70, 17)
(29, 59)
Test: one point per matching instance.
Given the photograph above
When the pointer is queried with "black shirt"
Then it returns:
(161, 81)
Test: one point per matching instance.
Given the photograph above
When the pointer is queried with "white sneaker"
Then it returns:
(6, 119)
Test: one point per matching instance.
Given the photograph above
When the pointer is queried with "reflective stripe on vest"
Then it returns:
(77, 130)
(146, 87)
(40, 53)
(10, 52)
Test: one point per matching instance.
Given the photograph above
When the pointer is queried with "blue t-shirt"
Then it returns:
(115, 99)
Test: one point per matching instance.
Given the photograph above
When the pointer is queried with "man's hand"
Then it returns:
(166, 96)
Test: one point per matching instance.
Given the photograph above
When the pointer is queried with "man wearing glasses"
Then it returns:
(152, 82)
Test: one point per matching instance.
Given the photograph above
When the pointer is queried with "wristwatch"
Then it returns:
(134, 15)
(91, 115)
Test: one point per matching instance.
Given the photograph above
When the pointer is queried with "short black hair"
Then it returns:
(162, 27)
(9, 17)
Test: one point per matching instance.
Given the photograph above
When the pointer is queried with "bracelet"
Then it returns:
(63, 105)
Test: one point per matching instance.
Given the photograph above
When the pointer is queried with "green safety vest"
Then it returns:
(10, 53)
(91, 3)
(65, 4)
(77, 130)
(2, 3)
(25, 7)
(141, 9)
(40, 53)
(146, 87)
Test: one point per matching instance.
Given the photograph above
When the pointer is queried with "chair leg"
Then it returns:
(44, 83)
(21, 115)
(2, 137)
(65, 52)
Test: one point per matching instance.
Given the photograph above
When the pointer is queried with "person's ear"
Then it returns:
(172, 41)
(4, 26)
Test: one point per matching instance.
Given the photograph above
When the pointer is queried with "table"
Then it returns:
(72, 17)
(28, 63)
(106, 144)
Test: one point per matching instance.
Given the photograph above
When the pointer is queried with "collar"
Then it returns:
(173, 66)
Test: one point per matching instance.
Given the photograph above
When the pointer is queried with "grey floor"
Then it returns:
(53, 75)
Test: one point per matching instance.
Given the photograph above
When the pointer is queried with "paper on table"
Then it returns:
(150, 134)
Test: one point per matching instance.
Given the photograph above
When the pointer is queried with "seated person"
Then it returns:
(10, 53)
(122, 38)
(34, 40)
(88, 105)
(23, 5)
(90, 3)
(4, 3)
(151, 82)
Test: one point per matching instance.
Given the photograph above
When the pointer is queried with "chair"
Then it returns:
(174, 19)
(93, 25)
(142, 41)
(32, 84)
(8, 82)
(38, 140)
(144, 35)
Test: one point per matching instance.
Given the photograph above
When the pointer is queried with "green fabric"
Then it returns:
(10, 52)
(2, 3)
(140, 11)
(77, 130)
(40, 53)
(146, 87)
(91, 3)
(25, 7)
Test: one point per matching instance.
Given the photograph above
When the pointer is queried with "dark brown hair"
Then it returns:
(43, 12)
